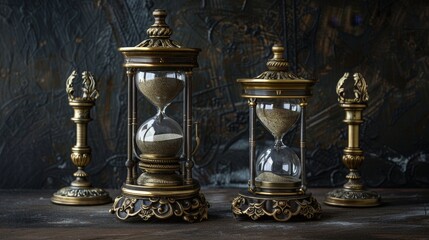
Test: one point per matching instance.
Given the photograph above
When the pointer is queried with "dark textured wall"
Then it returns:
(43, 41)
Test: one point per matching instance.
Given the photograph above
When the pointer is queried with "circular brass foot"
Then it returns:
(352, 198)
(81, 196)
(281, 208)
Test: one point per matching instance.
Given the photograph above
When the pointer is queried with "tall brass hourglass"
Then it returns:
(162, 186)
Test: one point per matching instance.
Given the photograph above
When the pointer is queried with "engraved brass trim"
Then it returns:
(161, 191)
(81, 196)
(350, 198)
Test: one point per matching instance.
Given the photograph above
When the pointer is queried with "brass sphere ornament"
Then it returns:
(277, 184)
(159, 163)
(353, 193)
(81, 192)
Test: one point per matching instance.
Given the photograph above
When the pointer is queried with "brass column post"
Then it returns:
(303, 105)
(131, 127)
(353, 193)
(81, 192)
(353, 155)
(188, 133)
(252, 143)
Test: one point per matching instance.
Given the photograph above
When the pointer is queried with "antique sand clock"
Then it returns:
(277, 186)
(160, 69)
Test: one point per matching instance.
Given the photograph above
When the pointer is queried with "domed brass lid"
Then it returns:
(277, 82)
(159, 52)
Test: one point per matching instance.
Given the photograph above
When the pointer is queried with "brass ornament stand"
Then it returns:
(81, 192)
(353, 193)
(160, 68)
(274, 193)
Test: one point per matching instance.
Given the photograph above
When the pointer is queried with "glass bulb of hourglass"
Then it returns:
(160, 136)
(278, 163)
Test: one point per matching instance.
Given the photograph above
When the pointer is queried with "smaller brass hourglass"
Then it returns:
(81, 192)
(353, 193)
(277, 184)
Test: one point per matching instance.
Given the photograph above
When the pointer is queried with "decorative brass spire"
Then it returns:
(278, 63)
(360, 89)
(159, 33)
(277, 66)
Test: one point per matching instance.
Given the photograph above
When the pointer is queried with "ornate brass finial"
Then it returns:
(88, 87)
(278, 63)
(159, 33)
(159, 29)
(277, 66)
(360, 89)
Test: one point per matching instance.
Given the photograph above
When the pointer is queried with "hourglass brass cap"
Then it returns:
(277, 81)
(159, 52)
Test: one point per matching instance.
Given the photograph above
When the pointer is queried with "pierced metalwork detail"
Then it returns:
(90, 93)
(280, 210)
(360, 89)
(190, 209)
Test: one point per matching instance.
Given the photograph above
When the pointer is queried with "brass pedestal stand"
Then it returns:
(81, 192)
(353, 193)
(281, 208)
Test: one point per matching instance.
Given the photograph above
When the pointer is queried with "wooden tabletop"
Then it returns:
(29, 214)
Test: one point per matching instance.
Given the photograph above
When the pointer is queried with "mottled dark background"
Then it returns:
(43, 41)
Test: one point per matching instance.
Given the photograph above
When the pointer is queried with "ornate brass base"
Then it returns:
(161, 203)
(281, 208)
(352, 198)
(81, 196)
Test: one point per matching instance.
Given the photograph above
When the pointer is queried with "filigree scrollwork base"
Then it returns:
(81, 196)
(352, 198)
(191, 209)
(278, 207)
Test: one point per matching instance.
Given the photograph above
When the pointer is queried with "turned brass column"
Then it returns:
(81, 192)
(353, 193)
